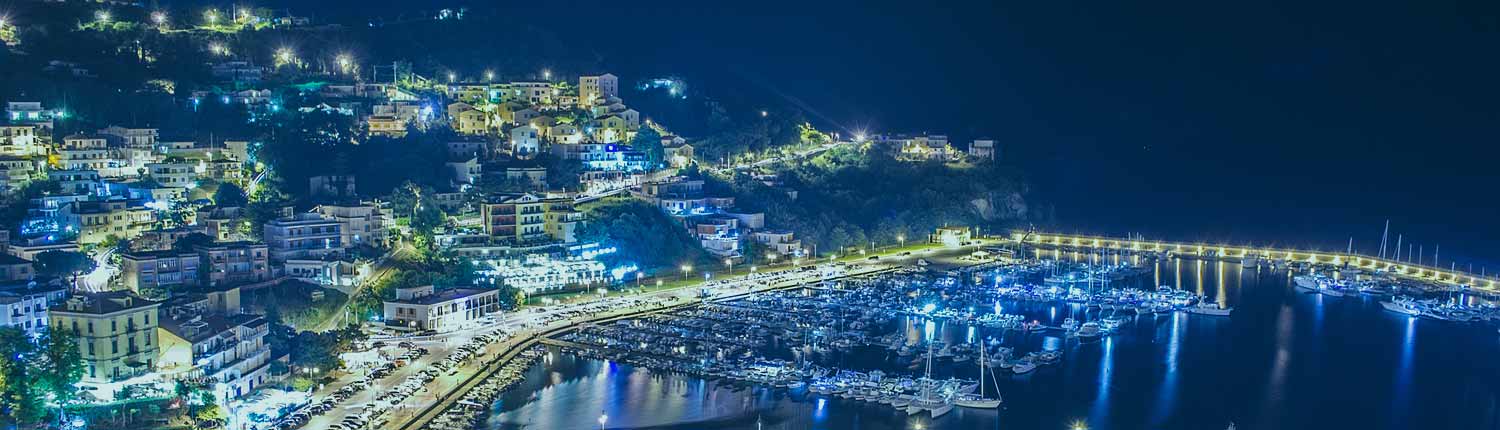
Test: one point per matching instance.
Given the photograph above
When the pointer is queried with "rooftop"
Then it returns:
(442, 296)
(104, 303)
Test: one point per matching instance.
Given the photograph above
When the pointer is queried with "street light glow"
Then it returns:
(546, 74)
(102, 16)
(211, 16)
(159, 17)
(489, 75)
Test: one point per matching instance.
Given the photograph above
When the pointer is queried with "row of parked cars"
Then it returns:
(353, 421)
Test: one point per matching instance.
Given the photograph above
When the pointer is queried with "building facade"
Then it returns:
(116, 333)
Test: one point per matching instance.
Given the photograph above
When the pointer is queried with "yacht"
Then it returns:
(1208, 308)
(1403, 305)
(979, 401)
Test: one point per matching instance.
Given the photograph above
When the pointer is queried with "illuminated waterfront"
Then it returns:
(1285, 359)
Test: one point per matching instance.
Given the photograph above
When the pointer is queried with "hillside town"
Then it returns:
(219, 277)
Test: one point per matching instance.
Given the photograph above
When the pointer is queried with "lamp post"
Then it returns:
(902, 239)
(686, 269)
(729, 263)
(603, 419)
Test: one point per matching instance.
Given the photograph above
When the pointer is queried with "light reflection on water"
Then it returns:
(1286, 359)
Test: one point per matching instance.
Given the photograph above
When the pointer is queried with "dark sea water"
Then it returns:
(1284, 360)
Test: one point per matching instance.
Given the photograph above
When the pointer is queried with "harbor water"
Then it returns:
(1285, 359)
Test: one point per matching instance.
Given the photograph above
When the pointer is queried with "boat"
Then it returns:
(1307, 282)
(1090, 330)
(929, 398)
(1208, 308)
(1402, 305)
(979, 401)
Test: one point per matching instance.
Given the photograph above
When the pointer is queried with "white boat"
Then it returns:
(978, 401)
(1090, 330)
(1306, 282)
(929, 398)
(1208, 308)
(1402, 305)
(1023, 366)
(901, 401)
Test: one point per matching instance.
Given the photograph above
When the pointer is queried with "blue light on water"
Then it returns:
(1100, 411)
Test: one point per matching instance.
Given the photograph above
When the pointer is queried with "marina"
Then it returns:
(990, 343)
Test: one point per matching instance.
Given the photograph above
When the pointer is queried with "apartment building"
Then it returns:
(116, 333)
(304, 236)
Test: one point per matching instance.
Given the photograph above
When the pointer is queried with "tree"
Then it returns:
(230, 196)
(21, 394)
(647, 140)
(62, 263)
(62, 366)
(36, 369)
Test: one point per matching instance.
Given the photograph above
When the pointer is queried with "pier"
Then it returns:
(1431, 274)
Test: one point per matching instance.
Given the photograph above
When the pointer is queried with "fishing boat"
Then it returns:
(979, 401)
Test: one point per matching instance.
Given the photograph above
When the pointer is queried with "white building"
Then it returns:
(177, 174)
(23, 305)
(359, 224)
(228, 350)
(601, 87)
(304, 236)
(425, 308)
(524, 142)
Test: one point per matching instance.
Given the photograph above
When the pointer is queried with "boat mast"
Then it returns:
(1383, 236)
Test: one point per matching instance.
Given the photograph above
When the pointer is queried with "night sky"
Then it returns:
(1286, 122)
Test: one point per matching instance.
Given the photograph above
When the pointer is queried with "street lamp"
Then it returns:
(284, 56)
(729, 263)
(489, 75)
(344, 63)
(603, 419)
(102, 16)
(686, 269)
(211, 16)
(159, 17)
(901, 238)
(451, 77)
(546, 74)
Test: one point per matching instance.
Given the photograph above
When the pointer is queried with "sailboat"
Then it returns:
(928, 398)
(979, 401)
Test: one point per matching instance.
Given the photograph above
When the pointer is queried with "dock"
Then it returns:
(1431, 274)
